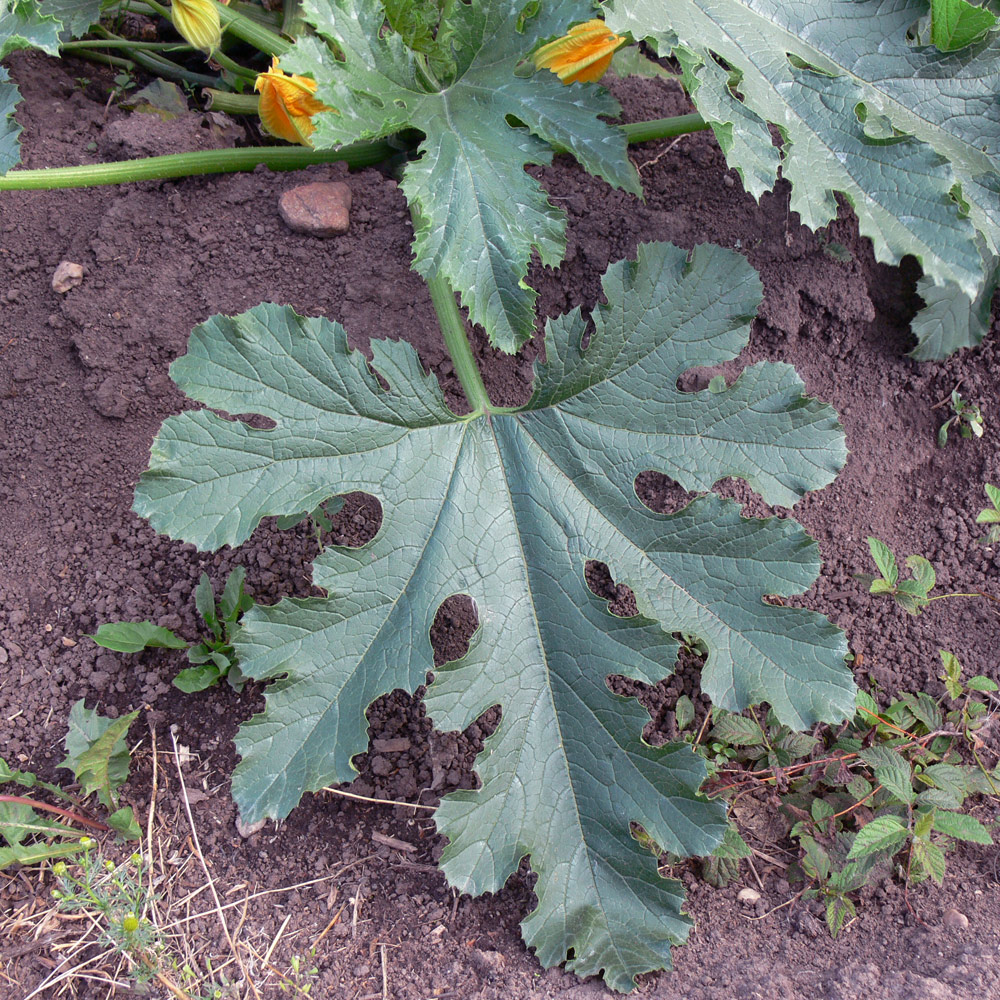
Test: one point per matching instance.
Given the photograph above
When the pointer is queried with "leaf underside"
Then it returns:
(508, 508)
(904, 131)
(478, 214)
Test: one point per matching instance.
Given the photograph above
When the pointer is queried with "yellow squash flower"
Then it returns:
(582, 55)
(287, 104)
(198, 23)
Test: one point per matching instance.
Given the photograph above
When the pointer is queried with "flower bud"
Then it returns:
(287, 104)
(130, 924)
(198, 23)
(582, 55)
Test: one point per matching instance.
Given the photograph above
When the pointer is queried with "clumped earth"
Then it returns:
(84, 388)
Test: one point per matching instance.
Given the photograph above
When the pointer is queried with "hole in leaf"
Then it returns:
(743, 493)
(357, 523)
(620, 598)
(699, 379)
(454, 625)
(255, 420)
(660, 493)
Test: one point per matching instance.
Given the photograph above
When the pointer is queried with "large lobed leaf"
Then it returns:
(479, 215)
(508, 507)
(898, 128)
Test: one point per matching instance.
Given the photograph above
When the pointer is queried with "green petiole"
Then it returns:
(221, 161)
(209, 161)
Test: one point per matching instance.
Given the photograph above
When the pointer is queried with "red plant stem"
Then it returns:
(69, 814)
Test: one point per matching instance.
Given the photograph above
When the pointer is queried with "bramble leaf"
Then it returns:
(478, 214)
(962, 827)
(909, 134)
(884, 560)
(883, 834)
(508, 507)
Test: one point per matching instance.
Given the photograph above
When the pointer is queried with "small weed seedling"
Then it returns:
(881, 794)
(213, 656)
(97, 755)
(117, 897)
(966, 418)
(912, 595)
(991, 515)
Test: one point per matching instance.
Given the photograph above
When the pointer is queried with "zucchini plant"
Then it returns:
(508, 504)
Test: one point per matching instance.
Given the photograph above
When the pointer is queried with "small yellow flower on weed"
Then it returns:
(582, 55)
(287, 104)
(198, 23)
(130, 924)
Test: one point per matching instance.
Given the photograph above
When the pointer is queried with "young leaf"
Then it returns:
(684, 712)
(736, 730)
(952, 675)
(923, 572)
(981, 683)
(478, 214)
(839, 909)
(891, 771)
(815, 859)
(204, 602)
(924, 823)
(96, 752)
(197, 678)
(962, 827)
(231, 602)
(810, 69)
(884, 560)
(131, 637)
(927, 859)
(957, 23)
(882, 834)
(124, 823)
(507, 507)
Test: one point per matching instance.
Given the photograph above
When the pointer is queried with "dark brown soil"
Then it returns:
(84, 387)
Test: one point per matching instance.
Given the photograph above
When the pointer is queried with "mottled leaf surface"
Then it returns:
(479, 214)
(508, 507)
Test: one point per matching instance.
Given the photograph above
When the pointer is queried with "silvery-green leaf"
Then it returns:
(508, 507)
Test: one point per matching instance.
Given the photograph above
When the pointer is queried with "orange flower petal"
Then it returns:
(287, 104)
(582, 55)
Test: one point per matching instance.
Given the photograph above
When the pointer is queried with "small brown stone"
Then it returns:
(318, 209)
(954, 920)
(66, 276)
